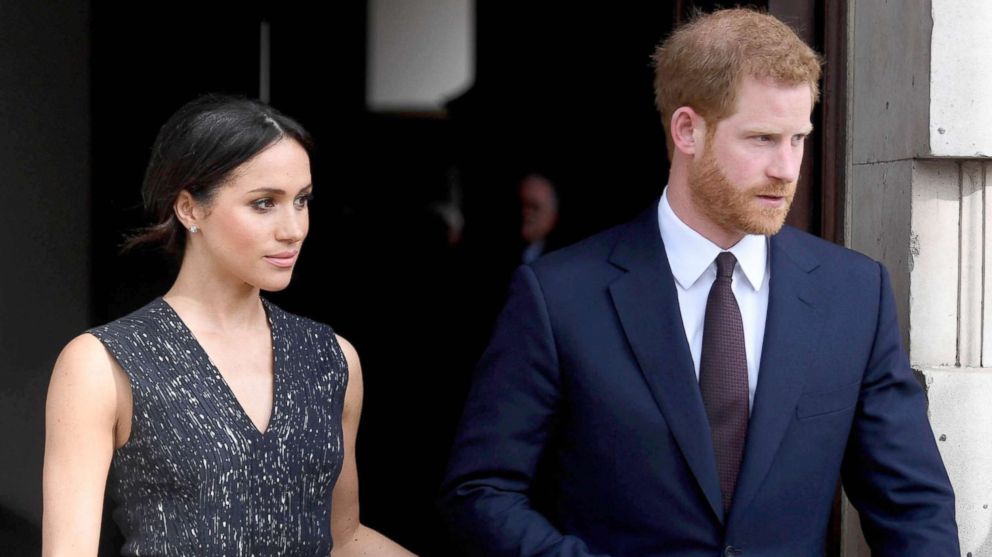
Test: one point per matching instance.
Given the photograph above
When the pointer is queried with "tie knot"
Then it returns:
(725, 263)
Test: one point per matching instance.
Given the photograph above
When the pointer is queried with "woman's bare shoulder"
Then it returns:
(84, 368)
(355, 390)
(347, 348)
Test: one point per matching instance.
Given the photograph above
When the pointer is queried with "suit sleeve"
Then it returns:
(505, 427)
(892, 471)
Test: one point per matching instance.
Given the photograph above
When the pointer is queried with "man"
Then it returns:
(695, 382)
(538, 214)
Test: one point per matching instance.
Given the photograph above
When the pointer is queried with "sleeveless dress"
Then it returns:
(196, 477)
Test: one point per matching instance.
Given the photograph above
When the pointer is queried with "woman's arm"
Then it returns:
(350, 536)
(80, 421)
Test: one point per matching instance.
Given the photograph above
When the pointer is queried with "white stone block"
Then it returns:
(933, 297)
(961, 78)
(961, 417)
(987, 275)
(971, 280)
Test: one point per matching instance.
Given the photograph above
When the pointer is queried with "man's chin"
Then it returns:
(765, 224)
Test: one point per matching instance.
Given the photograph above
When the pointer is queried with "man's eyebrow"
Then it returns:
(757, 130)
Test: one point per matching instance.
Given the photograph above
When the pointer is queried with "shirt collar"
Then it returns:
(690, 254)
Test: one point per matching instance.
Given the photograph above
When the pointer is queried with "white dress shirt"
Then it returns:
(693, 261)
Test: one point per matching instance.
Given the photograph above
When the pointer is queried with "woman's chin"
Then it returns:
(273, 285)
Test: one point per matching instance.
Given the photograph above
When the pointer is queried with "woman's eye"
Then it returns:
(263, 204)
(303, 200)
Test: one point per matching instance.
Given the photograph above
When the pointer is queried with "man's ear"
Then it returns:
(688, 130)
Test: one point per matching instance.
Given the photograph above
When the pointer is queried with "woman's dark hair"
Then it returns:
(196, 150)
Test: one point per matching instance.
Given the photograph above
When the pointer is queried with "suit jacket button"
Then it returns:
(731, 551)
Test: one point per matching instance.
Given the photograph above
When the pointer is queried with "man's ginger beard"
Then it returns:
(736, 207)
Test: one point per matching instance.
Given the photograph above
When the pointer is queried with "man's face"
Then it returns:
(745, 177)
(539, 208)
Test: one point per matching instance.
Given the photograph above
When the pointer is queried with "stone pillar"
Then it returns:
(920, 169)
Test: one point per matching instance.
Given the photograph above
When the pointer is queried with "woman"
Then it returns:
(226, 424)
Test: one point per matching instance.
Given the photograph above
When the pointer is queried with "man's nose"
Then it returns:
(787, 161)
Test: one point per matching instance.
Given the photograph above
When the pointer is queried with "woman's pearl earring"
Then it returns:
(194, 229)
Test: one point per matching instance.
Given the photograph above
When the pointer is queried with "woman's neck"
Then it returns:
(217, 303)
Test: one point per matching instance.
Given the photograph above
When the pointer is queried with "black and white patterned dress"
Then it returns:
(196, 477)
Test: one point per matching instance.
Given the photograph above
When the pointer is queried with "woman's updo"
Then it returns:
(196, 150)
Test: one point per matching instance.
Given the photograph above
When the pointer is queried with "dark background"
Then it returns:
(561, 88)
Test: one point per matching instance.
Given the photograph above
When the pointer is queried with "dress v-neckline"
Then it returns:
(226, 390)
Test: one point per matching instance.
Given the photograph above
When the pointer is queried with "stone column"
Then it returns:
(920, 168)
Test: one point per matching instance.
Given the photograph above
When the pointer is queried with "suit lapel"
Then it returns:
(646, 301)
(792, 331)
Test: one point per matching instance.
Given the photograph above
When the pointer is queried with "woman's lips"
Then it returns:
(283, 260)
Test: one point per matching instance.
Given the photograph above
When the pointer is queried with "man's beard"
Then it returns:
(736, 208)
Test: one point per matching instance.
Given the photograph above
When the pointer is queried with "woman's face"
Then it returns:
(253, 228)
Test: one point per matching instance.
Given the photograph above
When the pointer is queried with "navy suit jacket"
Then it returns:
(589, 373)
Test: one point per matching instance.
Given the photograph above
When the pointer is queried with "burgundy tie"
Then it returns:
(723, 375)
